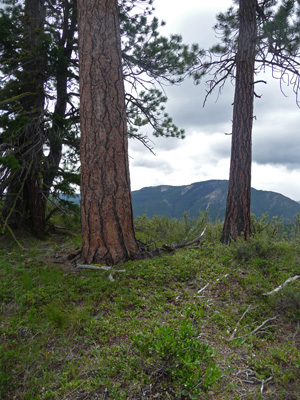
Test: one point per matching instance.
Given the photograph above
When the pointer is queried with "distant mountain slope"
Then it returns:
(173, 201)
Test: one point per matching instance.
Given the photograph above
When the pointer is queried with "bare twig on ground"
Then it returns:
(104, 268)
(251, 378)
(263, 324)
(87, 266)
(264, 382)
(281, 286)
(204, 287)
(239, 321)
(198, 241)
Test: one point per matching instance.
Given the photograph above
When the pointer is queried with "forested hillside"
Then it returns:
(210, 196)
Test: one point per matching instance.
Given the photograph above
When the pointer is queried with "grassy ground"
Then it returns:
(194, 324)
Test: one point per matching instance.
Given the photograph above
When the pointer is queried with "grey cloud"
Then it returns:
(276, 138)
(151, 162)
(273, 100)
(185, 102)
(194, 25)
(162, 143)
(197, 26)
(185, 106)
(288, 157)
(221, 148)
(278, 146)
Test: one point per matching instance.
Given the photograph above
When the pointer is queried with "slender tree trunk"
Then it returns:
(106, 208)
(237, 216)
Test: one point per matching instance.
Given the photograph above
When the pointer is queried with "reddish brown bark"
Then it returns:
(106, 208)
(237, 216)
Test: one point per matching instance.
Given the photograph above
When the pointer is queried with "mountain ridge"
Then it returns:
(210, 196)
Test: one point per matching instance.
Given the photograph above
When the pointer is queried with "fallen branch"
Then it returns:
(198, 241)
(87, 266)
(61, 230)
(281, 286)
(263, 324)
(264, 382)
(74, 255)
(204, 287)
(238, 323)
(251, 378)
(104, 268)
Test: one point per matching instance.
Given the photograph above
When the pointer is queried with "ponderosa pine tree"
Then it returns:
(257, 36)
(237, 215)
(106, 210)
(148, 58)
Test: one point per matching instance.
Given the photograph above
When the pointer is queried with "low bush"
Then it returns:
(162, 230)
(175, 359)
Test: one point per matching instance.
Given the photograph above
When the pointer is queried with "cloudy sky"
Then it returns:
(204, 153)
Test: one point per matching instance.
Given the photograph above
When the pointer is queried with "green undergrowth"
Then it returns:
(194, 324)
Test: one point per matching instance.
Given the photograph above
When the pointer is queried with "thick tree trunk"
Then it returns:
(106, 209)
(237, 216)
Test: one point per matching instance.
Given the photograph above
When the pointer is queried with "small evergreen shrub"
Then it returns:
(175, 358)
(256, 248)
(266, 227)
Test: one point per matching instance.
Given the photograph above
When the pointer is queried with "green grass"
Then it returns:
(152, 333)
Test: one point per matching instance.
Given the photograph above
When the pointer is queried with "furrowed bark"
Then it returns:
(106, 208)
(237, 216)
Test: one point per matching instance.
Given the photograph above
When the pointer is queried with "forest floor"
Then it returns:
(194, 324)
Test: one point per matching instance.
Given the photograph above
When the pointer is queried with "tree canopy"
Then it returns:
(277, 46)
